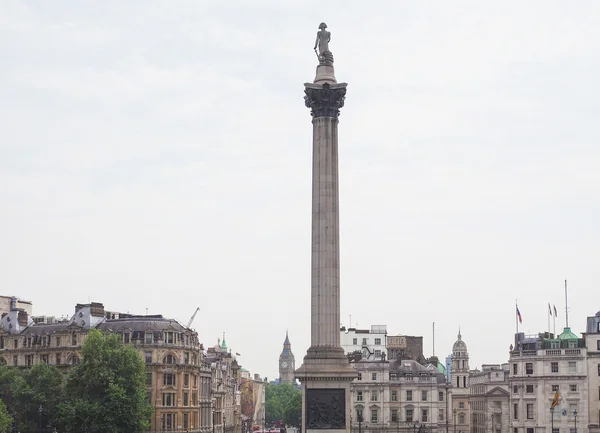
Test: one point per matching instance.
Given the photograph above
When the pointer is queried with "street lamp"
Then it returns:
(552, 419)
(575, 418)
(454, 411)
(40, 410)
(213, 414)
(359, 418)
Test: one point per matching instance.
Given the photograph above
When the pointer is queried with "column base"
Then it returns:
(325, 376)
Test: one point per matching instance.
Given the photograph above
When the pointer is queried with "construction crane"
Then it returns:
(193, 317)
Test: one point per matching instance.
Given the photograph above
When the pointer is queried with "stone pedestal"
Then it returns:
(326, 372)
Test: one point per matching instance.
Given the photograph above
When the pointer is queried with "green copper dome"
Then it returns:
(441, 367)
(568, 335)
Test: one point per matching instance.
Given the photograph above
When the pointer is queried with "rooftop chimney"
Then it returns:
(22, 318)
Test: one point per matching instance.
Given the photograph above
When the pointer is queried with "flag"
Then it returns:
(555, 313)
(549, 309)
(237, 354)
(519, 315)
(555, 400)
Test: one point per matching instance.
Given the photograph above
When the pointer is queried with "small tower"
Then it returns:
(287, 364)
(460, 385)
(460, 363)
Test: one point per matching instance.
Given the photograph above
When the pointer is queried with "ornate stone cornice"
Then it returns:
(325, 100)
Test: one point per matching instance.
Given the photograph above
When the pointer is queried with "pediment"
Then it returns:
(497, 391)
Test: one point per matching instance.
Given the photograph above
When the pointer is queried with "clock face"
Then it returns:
(284, 364)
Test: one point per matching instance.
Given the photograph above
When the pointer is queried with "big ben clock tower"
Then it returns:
(287, 363)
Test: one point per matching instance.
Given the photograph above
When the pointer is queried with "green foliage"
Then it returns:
(24, 392)
(293, 411)
(106, 393)
(283, 402)
(6, 420)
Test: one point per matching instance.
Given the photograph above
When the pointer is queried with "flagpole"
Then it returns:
(554, 321)
(517, 315)
(549, 314)
(566, 307)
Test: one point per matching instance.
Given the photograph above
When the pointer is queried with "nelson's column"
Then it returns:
(326, 372)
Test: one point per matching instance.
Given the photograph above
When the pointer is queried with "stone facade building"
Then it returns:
(399, 395)
(226, 396)
(540, 366)
(8, 303)
(370, 343)
(489, 399)
(187, 390)
(592, 342)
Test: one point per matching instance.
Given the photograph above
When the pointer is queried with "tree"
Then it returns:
(6, 420)
(278, 399)
(107, 391)
(293, 411)
(37, 392)
(24, 392)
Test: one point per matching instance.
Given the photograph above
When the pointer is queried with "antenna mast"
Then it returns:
(433, 338)
(566, 307)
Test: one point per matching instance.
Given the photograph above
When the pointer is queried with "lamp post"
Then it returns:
(447, 420)
(40, 410)
(454, 418)
(575, 419)
(213, 414)
(359, 418)
(552, 419)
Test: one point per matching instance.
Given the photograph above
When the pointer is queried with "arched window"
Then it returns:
(73, 360)
(461, 418)
(169, 359)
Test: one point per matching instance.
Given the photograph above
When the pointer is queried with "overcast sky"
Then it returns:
(157, 155)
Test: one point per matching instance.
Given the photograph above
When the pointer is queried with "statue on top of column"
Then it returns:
(323, 37)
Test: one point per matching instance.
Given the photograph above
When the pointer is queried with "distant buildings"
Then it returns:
(592, 344)
(190, 389)
(367, 343)
(543, 366)
(460, 386)
(489, 399)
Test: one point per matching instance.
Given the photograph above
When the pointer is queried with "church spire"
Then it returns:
(286, 343)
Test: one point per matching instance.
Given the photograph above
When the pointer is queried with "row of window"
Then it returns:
(169, 399)
(169, 421)
(529, 388)
(156, 337)
(37, 340)
(394, 395)
(128, 337)
(554, 430)
(530, 411)
(170, 379)
(44, 358)
(409, 415)
(365, 341)
(572, 367)
(171, 359)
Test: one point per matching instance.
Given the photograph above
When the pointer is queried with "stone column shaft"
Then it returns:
(325, 270)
